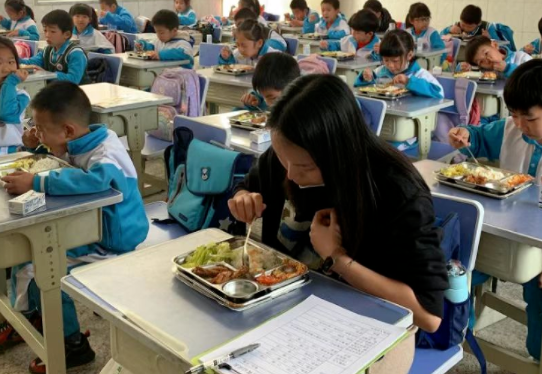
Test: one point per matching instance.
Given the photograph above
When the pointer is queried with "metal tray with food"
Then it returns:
(463, 37)
(313, 36)
(339, 56)
(219, 269)
(250, 120)
(388, 92)
(486, 180)
(234, 69)
(139, 55)
(35, 164)
(487, 77)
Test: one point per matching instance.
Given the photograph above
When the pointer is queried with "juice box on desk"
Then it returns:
(27, 203)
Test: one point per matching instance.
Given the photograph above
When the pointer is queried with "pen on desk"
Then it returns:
(220, 360)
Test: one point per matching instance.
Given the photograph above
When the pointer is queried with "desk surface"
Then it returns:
(147, 64)
(107, 98)
(516, 218)
(244, 81)
(170, 306)
(413, 106)
(496, 89)
(56, 207)
(430, 52)
(40, 75)
(357, 63)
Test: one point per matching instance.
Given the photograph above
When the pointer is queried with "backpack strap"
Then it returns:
(460, 99)
(476, 350)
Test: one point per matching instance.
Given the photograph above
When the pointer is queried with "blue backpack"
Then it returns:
(202, 177)
(507, 34)
(454, 328)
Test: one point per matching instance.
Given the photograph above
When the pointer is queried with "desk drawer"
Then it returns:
(223, 94)
(398, 129)
(489, 105)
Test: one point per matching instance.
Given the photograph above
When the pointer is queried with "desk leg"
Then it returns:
(3, 288)
(425, 125)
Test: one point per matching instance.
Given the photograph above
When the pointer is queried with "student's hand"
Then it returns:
(224, 20)
(368, 75)
(296, 23)
(499, 66)
(13, 34)
(225, 53)
(30, 139)
(246, 206)
(312, 18)
(529, 48)
(249, 100)
(400, 79)
(1, 17)
(486, 34)
(103, 13)
(459, 137)
(324, 44)
(377, 48)
(325, 233)
(21, 74)
(19, 182)
(455, 29)
(153, 55)
(287, 17)
(446, 38)
(465, 66)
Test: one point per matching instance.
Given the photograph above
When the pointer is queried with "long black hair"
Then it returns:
(85, 10)
(320, 114)
(19, 6)
(253, 5)
(397, 43)
(8, 44)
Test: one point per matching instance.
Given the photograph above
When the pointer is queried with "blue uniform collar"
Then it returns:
(62, 49)
(86, 143)
(186, 11)
(335, 23)
(87, 31)
(508, 54)
(421, 35)
(531, 141)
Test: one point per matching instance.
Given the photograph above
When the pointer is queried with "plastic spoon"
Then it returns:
(472, 155)
(245, 253)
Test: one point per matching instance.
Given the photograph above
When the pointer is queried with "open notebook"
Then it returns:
(315, 337)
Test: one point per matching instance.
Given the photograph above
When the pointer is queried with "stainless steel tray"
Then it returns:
(482, 192)
(339, 56)
(260, 291)
(313, 36)
(15, 164)
(384, 95)
(242, 121)
(138, 55)
(233, 70)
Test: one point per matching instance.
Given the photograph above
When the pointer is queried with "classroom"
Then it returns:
(271, 186)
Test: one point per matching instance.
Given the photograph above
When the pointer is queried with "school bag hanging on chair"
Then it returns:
(23, 50)
(183, 86)
(313, 65)
(202, 178)
(100, 71)
(119, 41)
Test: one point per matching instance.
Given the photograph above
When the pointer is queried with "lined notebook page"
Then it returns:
(315, 337)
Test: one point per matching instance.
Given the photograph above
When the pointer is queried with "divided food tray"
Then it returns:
(139, 55)
(249, 120)
(377, 94)
(339, 56)
(313, 36)
(235, 70)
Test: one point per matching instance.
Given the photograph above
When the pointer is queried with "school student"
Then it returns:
(13, 101)
(485, 53)
(187, 16)
(302, 16)
(62, 117)
(382, 13)
(61, 55)
(85, 29)
(171, 45)
(363, 26)
(397, 52)
(471, 24)
(516, 142)
(419, 18)
(112, 14)
(253, 41)
(335, 196)
(534, 47)
(332, 22)
(21, 20)
(271, 76)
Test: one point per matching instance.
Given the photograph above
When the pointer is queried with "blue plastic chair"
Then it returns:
(114, 61)
(442, 151)
(377, 112)
(209, 54)
(131, 39)
(331, 62)
(292, 44)
(471, 218)
(455, 51)
(160, 233)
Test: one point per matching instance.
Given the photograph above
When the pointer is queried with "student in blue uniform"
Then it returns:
(332, 22)
(487, 54)
(535, 47)
(85, 21)
(271, 76)
(61, 55)
(21, 20)
(62, 114)
(187, 16)
(171, 45)
(384, 17)
(397, 52)
(302, 16)
(516, 142)
(419, 18)
(471, 24)
(363, 39)
(115, 16)
(253, 41)
(13, 101)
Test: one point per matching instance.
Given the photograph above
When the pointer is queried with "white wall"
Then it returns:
(521, 15)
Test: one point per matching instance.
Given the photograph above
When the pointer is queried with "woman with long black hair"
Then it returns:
(334, 195)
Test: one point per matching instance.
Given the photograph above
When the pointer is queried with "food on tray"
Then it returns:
(337, 54)
(518, 179)
(475, 179)
(43, 165)
(489, 76)
(384, 90)
(289, 269)
(455, 171)
(255, 118)
(211, 253)
(235, 68)
(220, 274)
(469, 74)
(314, 35)
(261, 260)
(489, 174)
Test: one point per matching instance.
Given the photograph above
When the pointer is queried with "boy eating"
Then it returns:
(61, 113)
(116, 16)
(471, 24)
(485, 53)
(61, 55)
(271, 76)
(171, 45)
(302, 16)
(516, 142)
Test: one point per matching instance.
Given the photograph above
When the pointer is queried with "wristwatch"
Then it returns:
(328, 264)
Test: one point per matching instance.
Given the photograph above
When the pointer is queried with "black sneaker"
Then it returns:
(78, 352)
